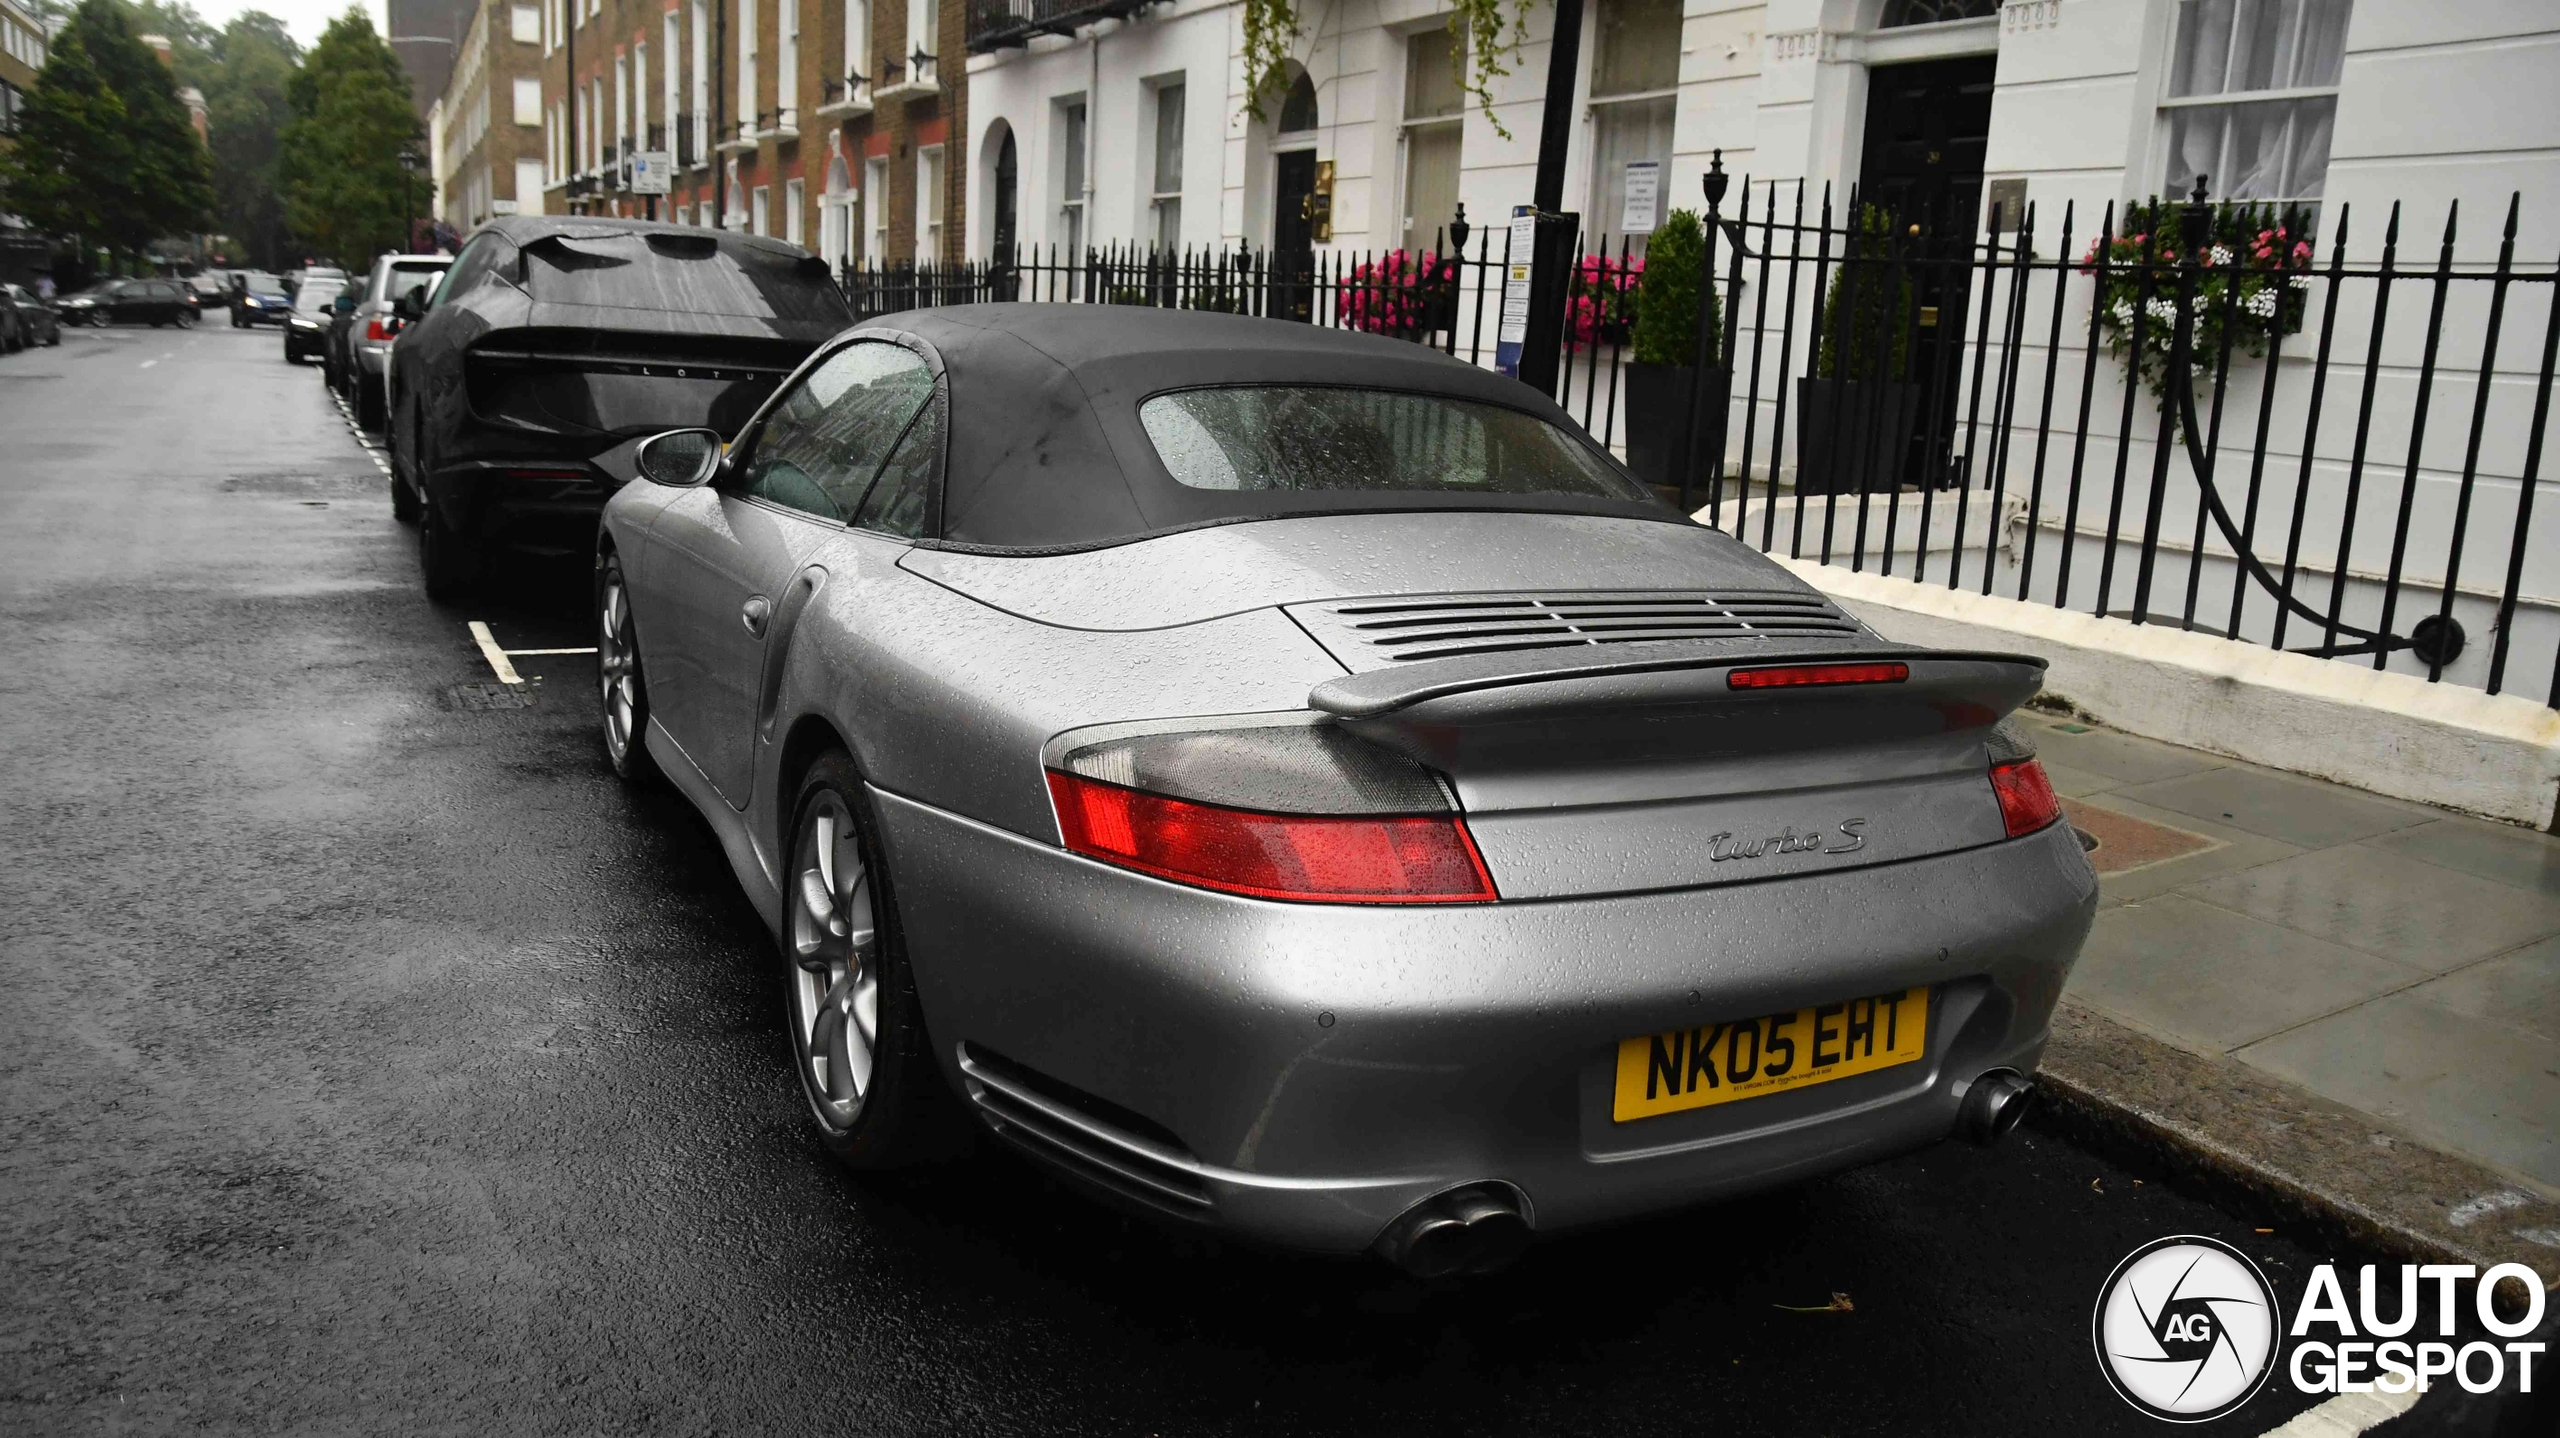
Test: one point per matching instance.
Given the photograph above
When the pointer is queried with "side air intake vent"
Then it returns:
(1092, 1137)
(1365, 633)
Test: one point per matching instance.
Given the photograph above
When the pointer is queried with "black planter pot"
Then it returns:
(1852, 434)
(1658, 420)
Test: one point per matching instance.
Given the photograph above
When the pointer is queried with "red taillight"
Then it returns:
(1788, 676)
(376, 329)
(2026, 796)
(1427, 859)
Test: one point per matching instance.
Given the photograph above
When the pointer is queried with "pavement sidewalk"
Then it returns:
(2347, 1004)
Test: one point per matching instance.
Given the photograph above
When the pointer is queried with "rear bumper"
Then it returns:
(1308, 1072)
(512, 504)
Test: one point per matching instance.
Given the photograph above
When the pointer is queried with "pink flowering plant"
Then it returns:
(2251, 282)
(1406, 293)
(1600, 304)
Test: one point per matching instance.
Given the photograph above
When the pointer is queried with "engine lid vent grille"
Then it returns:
(1374, 633)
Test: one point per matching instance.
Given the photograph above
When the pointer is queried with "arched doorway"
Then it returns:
(1008, 187)
(1292, 187)
(835, 208)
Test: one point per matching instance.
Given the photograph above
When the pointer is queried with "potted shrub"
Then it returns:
(1662, 381)
(1856, 412)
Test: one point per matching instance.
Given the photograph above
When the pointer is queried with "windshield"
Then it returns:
(315, 297)
(1304, 438)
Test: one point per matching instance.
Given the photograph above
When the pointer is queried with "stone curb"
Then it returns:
(2269, 1148)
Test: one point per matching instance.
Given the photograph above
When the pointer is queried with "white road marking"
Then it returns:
(2347, 1415)
(496, 656)
(550, 651)
(146, 364)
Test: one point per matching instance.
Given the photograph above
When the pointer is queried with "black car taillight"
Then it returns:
(2025, 791)
(1292, 811)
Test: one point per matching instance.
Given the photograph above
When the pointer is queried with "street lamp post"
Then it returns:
(410, 161)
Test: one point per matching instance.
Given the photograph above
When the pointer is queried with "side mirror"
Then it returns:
(679, 458)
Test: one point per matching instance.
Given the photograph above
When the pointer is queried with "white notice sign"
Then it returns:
(650, 172)
(1515, 279)
(1644, 198)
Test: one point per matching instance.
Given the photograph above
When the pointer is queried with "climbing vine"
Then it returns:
(1484, 36)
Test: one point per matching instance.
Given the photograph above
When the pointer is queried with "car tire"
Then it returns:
(369, 404)
(54, 337)
(186, 319)
(888, 1106)
(625, 689)
(236, 322)
(450, 561)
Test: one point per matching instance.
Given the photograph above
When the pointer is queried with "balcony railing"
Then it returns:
(844, 99)
(998, 24)
(918, 77)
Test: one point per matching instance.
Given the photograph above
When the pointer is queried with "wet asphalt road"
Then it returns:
(372, 1064)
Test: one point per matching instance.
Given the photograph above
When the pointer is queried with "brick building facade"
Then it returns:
(489, 129)
(830, 123)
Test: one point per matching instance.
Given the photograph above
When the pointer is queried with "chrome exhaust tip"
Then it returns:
(1476, 1229)
(1993, 1104)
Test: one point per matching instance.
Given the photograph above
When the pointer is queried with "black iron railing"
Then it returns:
(2208, 417)
(998, 24)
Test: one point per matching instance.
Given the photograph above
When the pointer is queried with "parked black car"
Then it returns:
(337, 348)
(37, 324)
(305, 326)
(259, 299)
(554, 339)
(152, 302)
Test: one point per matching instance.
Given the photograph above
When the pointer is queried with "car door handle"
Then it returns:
(755, 614)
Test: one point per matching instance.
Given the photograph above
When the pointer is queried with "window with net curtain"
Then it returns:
(1635, 74)
(1166, 196)
(1435, 103)
(2253, 97)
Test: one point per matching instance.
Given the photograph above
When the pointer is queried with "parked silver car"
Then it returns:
(373, 326)
(1295, 782)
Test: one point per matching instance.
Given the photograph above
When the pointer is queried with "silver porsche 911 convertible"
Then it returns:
(1296, 782)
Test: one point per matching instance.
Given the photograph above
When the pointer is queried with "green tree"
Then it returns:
(339, 170)
(247, 98)
(105, 149)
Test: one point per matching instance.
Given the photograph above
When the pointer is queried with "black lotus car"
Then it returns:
(554, 339)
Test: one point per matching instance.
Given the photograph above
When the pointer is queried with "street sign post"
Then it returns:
(650, 172)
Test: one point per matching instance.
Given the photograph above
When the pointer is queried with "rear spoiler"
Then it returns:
(1550, 683)
(1487, 713)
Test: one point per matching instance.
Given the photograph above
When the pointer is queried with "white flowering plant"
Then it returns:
(2249, 284)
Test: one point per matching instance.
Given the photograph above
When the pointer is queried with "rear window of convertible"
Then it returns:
(1307, 438)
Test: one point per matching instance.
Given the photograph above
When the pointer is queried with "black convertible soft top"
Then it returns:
(1046, 450)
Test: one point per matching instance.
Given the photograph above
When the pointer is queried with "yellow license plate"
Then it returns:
(1718, 1063)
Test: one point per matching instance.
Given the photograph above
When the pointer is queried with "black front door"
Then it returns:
(1005, 189)
(1927, 128)
(1293, 236)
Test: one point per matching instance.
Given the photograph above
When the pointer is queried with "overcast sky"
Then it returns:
(305, 18)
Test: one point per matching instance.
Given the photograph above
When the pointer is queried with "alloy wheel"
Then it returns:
(618, 662)
(835, 956)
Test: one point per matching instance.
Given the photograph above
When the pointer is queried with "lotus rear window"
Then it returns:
(626, 272)
(1311, 439)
